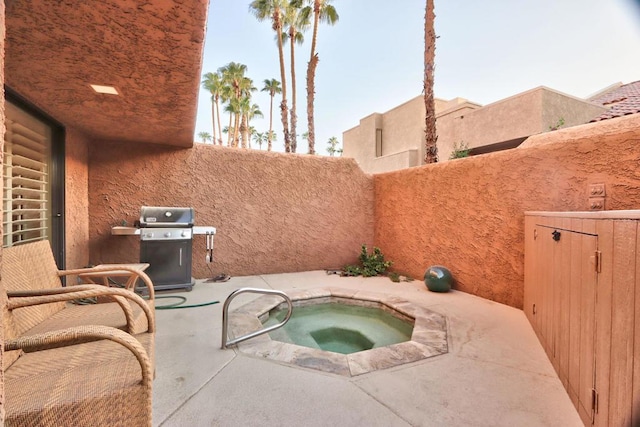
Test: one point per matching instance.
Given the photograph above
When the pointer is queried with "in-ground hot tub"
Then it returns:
(339, 345)
(340, 325)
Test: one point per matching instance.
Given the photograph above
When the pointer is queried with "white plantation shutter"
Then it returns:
(26, 164)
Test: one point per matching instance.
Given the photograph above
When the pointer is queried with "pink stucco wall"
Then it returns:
(77, 199)
(468, 214)
(273, 212)
(3, 301)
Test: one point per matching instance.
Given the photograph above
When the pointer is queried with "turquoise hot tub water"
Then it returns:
(340, 328)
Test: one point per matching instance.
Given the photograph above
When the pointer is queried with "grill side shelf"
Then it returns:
(125, 231)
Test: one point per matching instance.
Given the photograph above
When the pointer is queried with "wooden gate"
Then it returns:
(581, 276)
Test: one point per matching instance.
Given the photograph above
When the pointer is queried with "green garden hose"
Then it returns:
(177, 305)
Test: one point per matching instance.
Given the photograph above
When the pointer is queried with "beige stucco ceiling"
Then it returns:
(151, 51)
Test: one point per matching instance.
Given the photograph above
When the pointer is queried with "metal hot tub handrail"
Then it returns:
(225, 315)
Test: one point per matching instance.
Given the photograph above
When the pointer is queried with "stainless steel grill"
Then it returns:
(166, 243)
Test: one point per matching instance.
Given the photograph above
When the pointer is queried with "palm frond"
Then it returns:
(329, 14)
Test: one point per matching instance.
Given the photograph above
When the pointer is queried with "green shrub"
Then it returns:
(460, 151)
(371, 264)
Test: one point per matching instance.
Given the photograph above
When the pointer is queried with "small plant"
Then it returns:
(397, 277)
(371, 264)
(460, 150)
(394, 277)
(558, 124)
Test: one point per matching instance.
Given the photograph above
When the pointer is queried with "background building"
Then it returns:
(394, 140)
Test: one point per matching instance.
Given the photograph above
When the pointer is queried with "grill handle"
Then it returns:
(180, 257)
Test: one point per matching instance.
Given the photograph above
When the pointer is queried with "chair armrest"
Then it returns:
(60, 291)
(80, 334)
(19, 299)
(106, 269)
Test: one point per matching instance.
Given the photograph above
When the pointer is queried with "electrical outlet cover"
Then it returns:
(596, 203)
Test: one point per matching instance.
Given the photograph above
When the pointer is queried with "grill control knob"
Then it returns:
(167, 234)
(149, 235)
(184, 234)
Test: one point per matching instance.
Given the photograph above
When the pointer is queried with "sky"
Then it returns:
(372, 60)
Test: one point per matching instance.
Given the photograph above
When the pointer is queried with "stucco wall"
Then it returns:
(360, 142)
(403, 127)
(528, 113)
(396, 161)
(468, 214)
(449, 128)
(2, 301)
(273, 212)
(510, 118)
(573, 111)
(77, 199)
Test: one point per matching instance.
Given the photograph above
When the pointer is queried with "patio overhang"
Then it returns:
(150, 52)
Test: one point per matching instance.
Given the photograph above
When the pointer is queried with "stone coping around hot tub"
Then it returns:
(429, 337)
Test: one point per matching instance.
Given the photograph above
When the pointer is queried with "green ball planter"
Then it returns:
(438, 279)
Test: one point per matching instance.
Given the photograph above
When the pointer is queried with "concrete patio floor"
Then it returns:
(495, 373)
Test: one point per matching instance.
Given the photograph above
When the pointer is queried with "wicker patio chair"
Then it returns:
(29, 272)
(83, 376)
(22, 310)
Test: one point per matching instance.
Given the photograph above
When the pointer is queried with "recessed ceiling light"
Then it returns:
(105, 89)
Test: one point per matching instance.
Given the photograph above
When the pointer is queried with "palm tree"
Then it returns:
(273, 10)
(323, 11)
(252, 131)
(333, 143)
(233, 77)
(296, 23)
(204, 136)
(272, 86)
(249, 111)
(226, 93)
(226, 97)
(271, 137)
(214, 84)
(227, 130)
(430, 136)
(246, 109)
(254, 111)
(234, 109)
(259, 138)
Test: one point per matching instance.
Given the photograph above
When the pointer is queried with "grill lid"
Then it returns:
(158, 216)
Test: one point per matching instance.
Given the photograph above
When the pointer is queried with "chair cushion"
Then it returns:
(76, 356)
(91, 384)
(106, 314)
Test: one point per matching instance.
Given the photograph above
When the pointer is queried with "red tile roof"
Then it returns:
(622, 101)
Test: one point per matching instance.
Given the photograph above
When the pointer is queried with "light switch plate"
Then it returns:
(596, 190)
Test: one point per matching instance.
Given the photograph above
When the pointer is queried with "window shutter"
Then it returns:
(26, 195)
